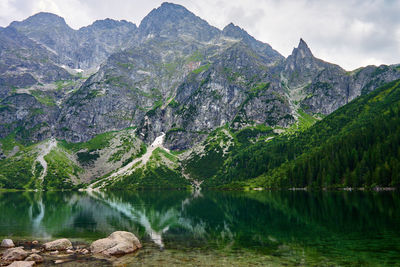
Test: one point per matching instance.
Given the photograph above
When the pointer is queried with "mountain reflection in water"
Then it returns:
(338, 227)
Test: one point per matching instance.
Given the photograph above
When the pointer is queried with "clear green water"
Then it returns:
(219, 228)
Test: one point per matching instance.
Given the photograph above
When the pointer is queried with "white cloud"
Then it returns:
(350, 33)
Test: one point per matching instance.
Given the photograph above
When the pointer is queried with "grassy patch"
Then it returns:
(16, 172)
(195, 57)
(8, 143)
(98, 142)
(173, 103)
(59, 172)
(43, 98)
(201, 69)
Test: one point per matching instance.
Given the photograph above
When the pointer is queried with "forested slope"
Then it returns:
(357, 145)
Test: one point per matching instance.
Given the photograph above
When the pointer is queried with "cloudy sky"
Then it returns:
(351, 33)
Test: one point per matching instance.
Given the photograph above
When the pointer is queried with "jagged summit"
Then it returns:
(302, 50)
(42, 18)
(168, 12)
(110, 24)
(231, 26)
(169, 5)
(233, 31)
(172, 20)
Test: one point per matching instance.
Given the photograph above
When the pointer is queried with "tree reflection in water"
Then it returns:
(346, 227)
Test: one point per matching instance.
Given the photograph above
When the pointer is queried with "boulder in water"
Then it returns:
(14, 254)
(22, 264)
(7, 243)
(34, 257)
(118, 243)
(59, 244)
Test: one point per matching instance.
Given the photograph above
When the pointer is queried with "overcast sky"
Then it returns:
(351, 33)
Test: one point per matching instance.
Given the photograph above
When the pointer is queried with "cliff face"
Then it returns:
(174, 74)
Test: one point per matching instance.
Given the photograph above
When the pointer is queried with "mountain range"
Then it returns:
(170, 103)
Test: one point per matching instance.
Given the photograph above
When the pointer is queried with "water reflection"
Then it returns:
(342, 227)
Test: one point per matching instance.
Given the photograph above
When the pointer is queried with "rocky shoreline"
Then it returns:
(31, 253)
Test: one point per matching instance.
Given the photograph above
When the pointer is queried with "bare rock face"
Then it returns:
(14, 254)
(22, 264)
(34, 257)
(118, 243)
(7, 243)
(59, 244)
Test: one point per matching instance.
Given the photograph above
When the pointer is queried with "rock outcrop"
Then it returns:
(118, 243)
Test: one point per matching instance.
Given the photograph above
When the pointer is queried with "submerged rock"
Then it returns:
(55, 252)
(84, 251)
(61, 261)
(14, 254)
(59, 244)
(34, 257)
(22, 264)
(118, 243)
(7, 243)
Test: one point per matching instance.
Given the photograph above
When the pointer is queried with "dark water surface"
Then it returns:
(219, 228)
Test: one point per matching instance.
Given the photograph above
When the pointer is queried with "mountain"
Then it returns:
(85, 48)
(175, 96)
(172, 21)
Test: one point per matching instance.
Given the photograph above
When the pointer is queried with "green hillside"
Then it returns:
(357, 146)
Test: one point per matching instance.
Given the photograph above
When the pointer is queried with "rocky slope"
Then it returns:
(24, 63)
(174, 74)
(85, 48)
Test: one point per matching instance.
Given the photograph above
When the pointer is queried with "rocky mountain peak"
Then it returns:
(41, 19)
(172, 20)
(302, 50)
(233, 31)
(231, 28)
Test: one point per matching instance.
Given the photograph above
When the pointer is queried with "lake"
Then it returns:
(219, 228)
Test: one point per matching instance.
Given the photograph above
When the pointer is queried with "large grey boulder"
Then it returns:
(118, 243)
(7, 243)
(59, 244)
(14, 254)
